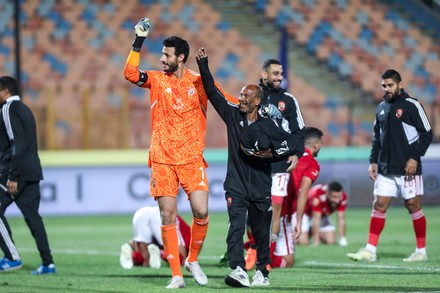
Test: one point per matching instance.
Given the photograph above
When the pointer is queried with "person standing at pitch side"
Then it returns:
(293, 122)
(248, 177)
(178, 106)
(402, 135)
(20, 175)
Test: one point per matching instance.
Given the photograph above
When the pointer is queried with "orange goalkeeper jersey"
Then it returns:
(178, 113)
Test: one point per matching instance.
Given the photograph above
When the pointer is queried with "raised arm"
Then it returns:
(131, 70)
(221, 101)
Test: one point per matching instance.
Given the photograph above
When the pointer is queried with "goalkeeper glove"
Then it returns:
(142, 28)
(271, 111)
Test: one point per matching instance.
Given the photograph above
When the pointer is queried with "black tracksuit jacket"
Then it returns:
(247, 176)
(401, 131)
(18, 143)
(289, 108)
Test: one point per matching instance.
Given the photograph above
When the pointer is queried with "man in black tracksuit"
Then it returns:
(402, 135)
(248, 178)
(20, 175)
(291, 121)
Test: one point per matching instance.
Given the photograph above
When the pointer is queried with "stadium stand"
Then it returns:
(73, 54)
(360, 39)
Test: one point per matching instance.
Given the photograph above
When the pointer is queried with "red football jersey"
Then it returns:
(318, 201)
(307, 167)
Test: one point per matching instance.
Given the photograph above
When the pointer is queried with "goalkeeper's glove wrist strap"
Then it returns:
(137, 43)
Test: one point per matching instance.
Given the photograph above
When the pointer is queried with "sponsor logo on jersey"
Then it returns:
(191, 92)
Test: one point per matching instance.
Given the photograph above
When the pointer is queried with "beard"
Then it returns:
(390, 98)
(172, 67)
(272, 85)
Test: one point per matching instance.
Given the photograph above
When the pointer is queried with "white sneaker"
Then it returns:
(197, 273)
(259, 280)
(125, 259)
(237, 278)
(176, 283)
(154, 252)
(362, 254)
(416, 256)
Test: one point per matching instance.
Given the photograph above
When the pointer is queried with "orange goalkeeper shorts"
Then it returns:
(165, 178)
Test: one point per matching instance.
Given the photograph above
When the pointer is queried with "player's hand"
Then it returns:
(297, 232)
(263, 154)
(292, 161)
(343, 241)
(12, 187)
(372, 170)
(410, 167)
(142, 28)
(201, 54)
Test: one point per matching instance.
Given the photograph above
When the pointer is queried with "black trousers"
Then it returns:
(260, 216)
(28, 201)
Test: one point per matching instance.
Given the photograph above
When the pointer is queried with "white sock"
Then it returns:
(371, 248)
(421, 250)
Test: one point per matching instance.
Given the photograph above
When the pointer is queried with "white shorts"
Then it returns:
(393, 186)
(279, 183)
(285, 244)
(325, 226)
(146, 225)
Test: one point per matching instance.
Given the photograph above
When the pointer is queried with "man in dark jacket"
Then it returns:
(20, 175)
(402, 134)
(248, 178)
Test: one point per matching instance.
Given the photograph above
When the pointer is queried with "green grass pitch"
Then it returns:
(86, 252)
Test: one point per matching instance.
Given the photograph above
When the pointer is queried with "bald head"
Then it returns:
(250, 98)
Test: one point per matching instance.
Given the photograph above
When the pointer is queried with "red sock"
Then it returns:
(419, 223)
(278, 262)
(377, 222)
(272, 248)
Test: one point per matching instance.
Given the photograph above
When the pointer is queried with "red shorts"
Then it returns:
(165, 178)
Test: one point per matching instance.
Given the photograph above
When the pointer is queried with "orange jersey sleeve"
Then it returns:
(178, 117)
(131, 72)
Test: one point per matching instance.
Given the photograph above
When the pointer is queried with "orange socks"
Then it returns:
(199, 228)
(170, 244)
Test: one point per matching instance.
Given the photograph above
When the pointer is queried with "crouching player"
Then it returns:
(146, 247)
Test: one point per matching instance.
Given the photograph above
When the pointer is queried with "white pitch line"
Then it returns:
(372, 266)
(211, 257)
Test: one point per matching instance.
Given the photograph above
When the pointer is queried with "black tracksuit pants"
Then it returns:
(28, 201)
(260, 217)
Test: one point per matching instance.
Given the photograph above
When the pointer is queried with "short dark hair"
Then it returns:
(393, 74)
(269, 62)
(334, 186)
(180, 45)
(9, 83)
(311, 133)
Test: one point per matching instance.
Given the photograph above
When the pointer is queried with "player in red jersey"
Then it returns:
(301, 179)
(324, 200)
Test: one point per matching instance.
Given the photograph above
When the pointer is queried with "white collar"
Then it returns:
(13, 98)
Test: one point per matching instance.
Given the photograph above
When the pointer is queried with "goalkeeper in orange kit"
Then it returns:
(178, 106)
